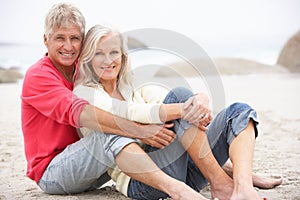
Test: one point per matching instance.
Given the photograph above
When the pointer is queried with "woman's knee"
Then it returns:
(178, 95)
(239, 115)
(237, 108)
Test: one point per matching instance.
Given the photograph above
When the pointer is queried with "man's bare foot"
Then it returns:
(245, 192)
(222, 189)
(265, 183)
(258, 181)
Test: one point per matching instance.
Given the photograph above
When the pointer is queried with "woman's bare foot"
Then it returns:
(258, 181)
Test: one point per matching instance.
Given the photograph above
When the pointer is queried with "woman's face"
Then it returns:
(107, 60)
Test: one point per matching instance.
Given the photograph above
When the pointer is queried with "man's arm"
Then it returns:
(100, 120)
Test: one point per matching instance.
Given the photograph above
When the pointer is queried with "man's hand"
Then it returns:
(196, 111)
(162, 138)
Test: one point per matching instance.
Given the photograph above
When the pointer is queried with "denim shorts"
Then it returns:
(82, 166)
(175, 161)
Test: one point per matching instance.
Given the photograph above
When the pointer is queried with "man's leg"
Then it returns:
(83, 165)
(80, 167)
(148, 180)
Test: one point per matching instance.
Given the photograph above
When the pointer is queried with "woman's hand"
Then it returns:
(196, 111)
(162, 138)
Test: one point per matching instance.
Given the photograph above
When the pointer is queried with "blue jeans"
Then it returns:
(175, 161)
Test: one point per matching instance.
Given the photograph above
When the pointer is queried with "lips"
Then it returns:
(108, 68)
(67, 54)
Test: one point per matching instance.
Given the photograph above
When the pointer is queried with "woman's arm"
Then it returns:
(168, 112)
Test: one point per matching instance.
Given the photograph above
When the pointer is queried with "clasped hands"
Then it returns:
(197, 112)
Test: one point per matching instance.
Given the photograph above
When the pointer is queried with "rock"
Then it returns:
(223, 66)
(231, 66)
(10, 75)
(290, 54)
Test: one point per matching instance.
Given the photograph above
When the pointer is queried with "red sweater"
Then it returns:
(50, 115)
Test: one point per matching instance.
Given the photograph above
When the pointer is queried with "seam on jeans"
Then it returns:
(43, 184)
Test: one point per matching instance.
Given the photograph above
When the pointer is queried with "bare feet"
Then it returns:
(258, 181)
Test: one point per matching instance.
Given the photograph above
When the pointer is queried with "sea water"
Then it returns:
(23, 55)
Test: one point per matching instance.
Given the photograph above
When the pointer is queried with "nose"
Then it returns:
(108, 60)
(68, 44)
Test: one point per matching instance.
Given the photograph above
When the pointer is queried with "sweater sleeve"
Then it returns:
(135, 109)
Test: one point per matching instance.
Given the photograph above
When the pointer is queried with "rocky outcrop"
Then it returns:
(230, 66)
(290, 54)
(10, 75)
(223, 66)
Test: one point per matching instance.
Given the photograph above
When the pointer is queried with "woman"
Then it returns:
(202, 145)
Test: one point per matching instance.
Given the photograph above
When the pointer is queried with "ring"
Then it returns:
(202, 115)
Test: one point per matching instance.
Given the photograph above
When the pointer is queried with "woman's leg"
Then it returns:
(172, 160)
(234, 123)
(241, 153)
(196, 143)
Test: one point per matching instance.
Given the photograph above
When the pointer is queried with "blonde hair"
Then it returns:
(85, 74)
(63, 14)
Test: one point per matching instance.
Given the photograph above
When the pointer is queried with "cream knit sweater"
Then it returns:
(141, 105)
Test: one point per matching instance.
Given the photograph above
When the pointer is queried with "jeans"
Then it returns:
(175, 161)
(82, 165)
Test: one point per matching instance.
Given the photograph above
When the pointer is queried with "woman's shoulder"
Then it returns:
(153, 88)
(83, 90)
(152, 93)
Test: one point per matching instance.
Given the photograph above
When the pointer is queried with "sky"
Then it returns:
(217, 25)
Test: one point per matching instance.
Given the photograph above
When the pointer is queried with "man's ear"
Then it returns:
(45, 40)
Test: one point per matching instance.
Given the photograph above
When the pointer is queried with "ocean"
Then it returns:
(23, 55)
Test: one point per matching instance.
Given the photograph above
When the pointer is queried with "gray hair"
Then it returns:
(63, 14)
(85, 74)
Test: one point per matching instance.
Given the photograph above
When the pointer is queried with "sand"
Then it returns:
(275, 96)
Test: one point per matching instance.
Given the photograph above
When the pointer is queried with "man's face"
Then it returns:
(64, 45)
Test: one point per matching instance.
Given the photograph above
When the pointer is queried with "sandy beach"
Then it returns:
(274, 95)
